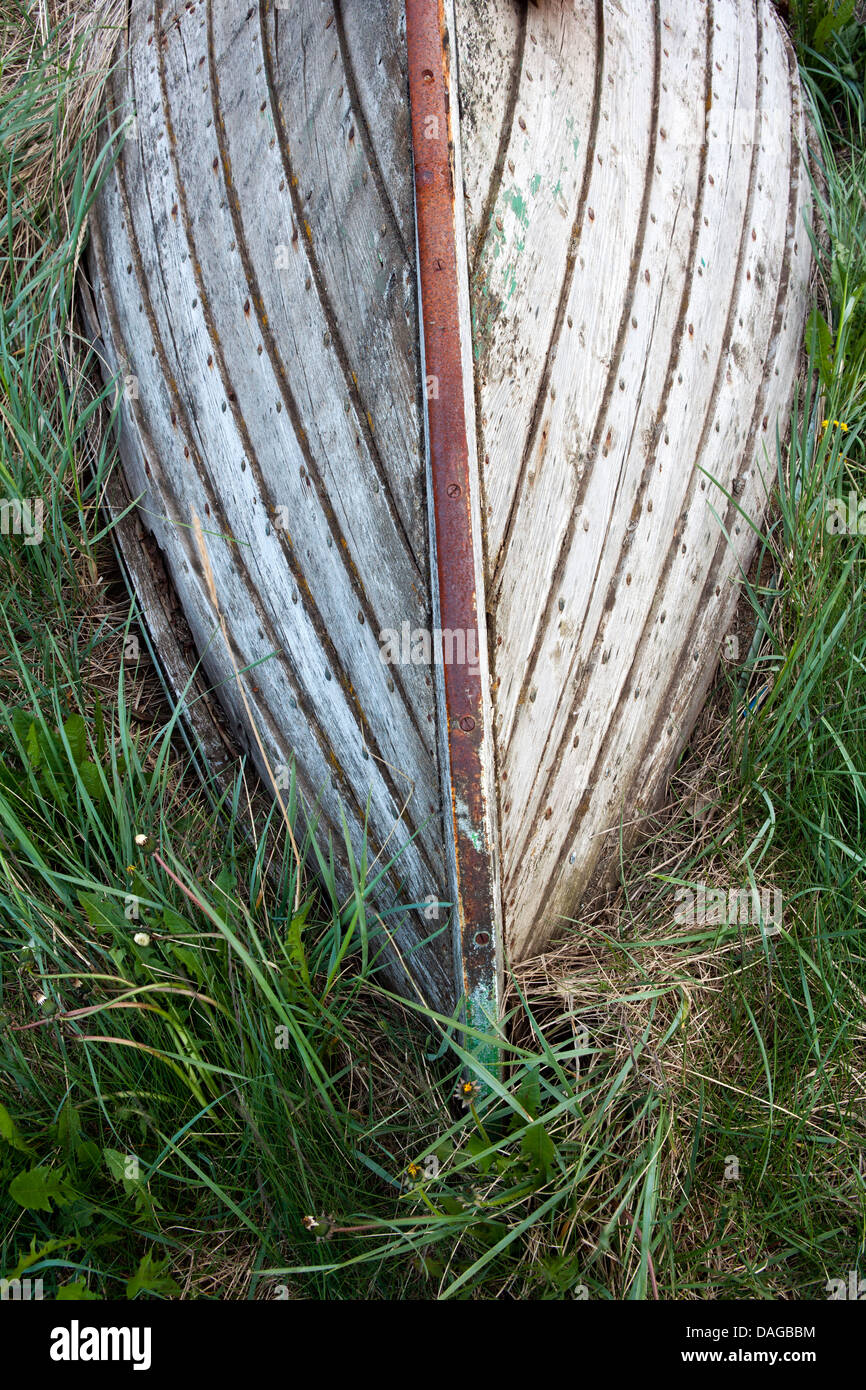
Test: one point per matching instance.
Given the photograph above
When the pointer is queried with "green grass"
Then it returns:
(175, 1107)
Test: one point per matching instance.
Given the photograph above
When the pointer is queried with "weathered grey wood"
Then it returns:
(633, 289)
(244, 409)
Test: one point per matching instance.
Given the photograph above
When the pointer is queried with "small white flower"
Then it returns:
(141, 840)
(141, 938)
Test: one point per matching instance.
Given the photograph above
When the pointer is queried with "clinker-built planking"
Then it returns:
(603, 294)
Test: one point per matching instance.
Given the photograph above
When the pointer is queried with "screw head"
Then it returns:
(467, 723)
(453, 489)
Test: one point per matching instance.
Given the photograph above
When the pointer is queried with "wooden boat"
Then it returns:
(475, 317)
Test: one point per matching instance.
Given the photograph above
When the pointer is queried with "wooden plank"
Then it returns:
(373, 39)
(490, 42)
(527, 252)
(354, 250)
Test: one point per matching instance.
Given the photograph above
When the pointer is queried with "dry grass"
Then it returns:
(63, 133)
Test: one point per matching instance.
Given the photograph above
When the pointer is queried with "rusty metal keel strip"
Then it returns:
(457, 571)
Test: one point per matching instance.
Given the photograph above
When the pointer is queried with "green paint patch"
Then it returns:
(514, 199)
(494, 242)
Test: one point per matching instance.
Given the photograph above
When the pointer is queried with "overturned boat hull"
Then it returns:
(465, 331)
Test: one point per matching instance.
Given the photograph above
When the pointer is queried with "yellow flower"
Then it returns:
(414, 1171)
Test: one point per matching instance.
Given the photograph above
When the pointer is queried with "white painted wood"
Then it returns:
(634, 272)
(667, 357)
(490, 44)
